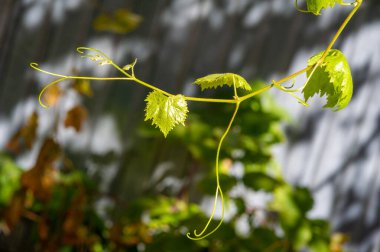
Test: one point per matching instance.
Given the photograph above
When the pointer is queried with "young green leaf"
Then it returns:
(218, 80)
(315, 6)
(130, 66)
(165, 112)
(331, 78)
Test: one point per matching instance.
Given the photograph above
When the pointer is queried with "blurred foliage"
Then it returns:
(59, 202)
(121, 21)
(9, 179)
(25, 136)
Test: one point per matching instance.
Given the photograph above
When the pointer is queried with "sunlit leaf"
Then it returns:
(52, 95)
(338, 241)
(75, 117)
(121, 21)
(332, 78)
(83, 87)
(302, 235)
(219, 80)
(319, 245)
(315, 6)
(284, 203)
(9, 179)
(165, 112)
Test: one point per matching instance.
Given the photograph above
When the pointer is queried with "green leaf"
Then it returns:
(321, 228)
(303, 198)
(9, 179)
(290, 214)
(315, 6)
(130, 66)
(219, 80)
(165, 112)
(331, 78)
(302, 235)
(121, 21)
(227, 182)
(319, 245)
(260, 181)
(263, 238)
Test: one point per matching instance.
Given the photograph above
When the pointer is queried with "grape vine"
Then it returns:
(328, 74)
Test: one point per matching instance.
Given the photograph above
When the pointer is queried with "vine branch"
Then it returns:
(218, 188)
(128, 72)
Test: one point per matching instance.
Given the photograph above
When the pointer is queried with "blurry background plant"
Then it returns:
(75, 200)
(56, 201)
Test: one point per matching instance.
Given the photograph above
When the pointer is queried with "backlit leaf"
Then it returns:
(219, 80)
(284, 203)
(51, 95)
(121, 21)
(331, 78)
(319, 245)
(83, 87)
(338, 241)
(9, 180)
(165, 112)
(315, 6)
(302, 235)
(75, 117)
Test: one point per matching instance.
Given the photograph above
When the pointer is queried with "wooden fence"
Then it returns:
(336, 154)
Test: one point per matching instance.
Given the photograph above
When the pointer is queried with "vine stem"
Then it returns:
(131, 77)
(356, 4)
(219, 191)
(45, 88)
(237, 100)
(67, 77)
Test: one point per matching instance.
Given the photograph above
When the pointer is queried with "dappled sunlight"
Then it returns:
(89, 168)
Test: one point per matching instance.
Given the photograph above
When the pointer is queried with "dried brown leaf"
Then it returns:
(25, 136)
(41, 178)
(75, 117)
